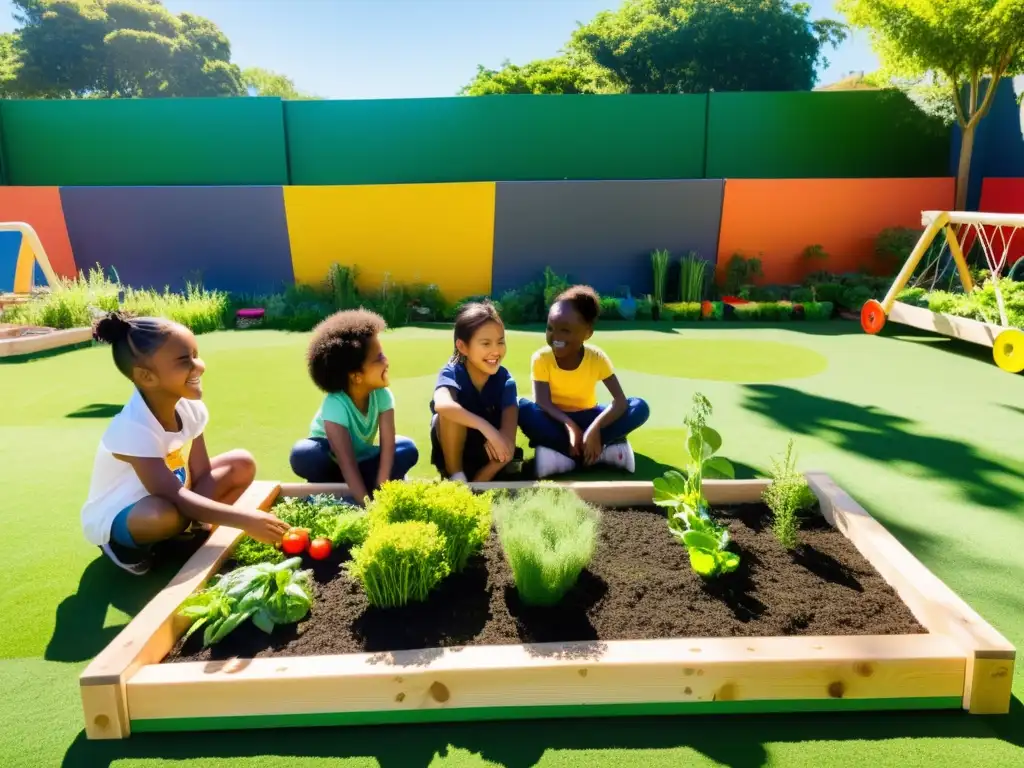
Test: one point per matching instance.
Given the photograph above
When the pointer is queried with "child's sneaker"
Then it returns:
(619, 455)
(459, 477)
(134, 561)
(551, 462)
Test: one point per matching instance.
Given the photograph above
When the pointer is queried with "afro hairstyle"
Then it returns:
(584, 300)
(339, 346)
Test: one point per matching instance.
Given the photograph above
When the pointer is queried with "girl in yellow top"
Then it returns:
(563, 421)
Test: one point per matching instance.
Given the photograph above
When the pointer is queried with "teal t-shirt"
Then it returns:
(362, 427)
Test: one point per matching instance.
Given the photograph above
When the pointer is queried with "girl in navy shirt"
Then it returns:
(475, 409)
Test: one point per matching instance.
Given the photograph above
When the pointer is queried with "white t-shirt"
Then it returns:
(136, 432)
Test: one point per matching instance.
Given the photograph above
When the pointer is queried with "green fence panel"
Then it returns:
(144, 142)
(850, 134)
(496, 138)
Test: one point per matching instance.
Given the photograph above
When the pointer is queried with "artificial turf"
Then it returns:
(925, 433)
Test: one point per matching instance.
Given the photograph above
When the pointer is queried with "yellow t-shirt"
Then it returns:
(574, 390)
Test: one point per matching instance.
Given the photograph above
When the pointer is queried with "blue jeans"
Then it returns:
(542, 430)
(311, 459)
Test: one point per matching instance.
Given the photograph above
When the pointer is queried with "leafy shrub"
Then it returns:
(516, 309)
(684, 310)
(644, 308)
(462, 517)
(818, 310)
(248, 551)
(610, 308)
(802, 295)
(350, 529)
(554, 284)
(917, 297)
(774, 310)
(828, 292)
(787, 496)
(399, 563)
(853, 298)
(747, 312)
(548, 535)
(740, 271)
(717, 311)
(894, 245)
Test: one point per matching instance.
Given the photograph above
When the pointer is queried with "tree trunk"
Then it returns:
(963, 175)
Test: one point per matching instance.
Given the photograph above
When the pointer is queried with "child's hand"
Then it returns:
(498, 447)
(265, 527)
(575, 438)
(592, 446)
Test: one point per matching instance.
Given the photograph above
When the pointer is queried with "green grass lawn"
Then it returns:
(925, 433)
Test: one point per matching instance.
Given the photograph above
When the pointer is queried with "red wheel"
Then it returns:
(872, 316)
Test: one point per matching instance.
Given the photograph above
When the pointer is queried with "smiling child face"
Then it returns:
(567, 331)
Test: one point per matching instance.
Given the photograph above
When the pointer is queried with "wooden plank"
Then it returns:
(695, 669)
(955, 327)
(604, 493)
(29, 345)
(933, 603)
(156, 628)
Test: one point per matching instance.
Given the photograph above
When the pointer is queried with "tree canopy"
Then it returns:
(267, 83)
(963, 46)
(115, 48)
(679, 46)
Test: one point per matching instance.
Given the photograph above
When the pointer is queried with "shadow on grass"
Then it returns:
(1013, 409)
(946, 344)
(96, 411)
(19, 359)
(731, 740)
(79, 634)
(891, 439)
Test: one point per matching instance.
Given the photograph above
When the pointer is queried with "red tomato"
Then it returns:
(295, 541)
(320, 549)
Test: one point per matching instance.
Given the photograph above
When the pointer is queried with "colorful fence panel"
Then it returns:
(229, 238)
(601, 232)
(851, 134)
(776, 219)
(41, 209)
(144, 142)
(409, 233)
(496, 138)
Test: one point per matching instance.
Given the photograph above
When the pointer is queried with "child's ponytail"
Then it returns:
(131, 338)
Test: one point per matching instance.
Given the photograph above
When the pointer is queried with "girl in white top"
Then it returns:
(153, 478)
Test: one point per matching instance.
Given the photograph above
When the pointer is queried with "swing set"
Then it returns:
(948, 235)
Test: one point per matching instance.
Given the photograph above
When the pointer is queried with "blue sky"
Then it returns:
(361, 49)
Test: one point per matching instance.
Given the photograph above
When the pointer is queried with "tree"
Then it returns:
(556, 75)
(693, 46)
(967, 46)
(267, 83)
(120, 48)
(8, 63)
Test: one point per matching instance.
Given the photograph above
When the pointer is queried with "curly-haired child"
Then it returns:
(564, 421)
(346, 361)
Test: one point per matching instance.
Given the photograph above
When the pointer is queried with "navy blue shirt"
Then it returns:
(498, 392)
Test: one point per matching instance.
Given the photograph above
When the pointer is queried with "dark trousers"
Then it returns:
(311, 459)
(542, 430)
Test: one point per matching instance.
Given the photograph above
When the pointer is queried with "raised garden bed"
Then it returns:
(17, 340)
(851, 621)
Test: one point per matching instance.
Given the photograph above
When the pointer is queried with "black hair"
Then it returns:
(470, 319)
(584, 300)
(132, 339)
(339, 347)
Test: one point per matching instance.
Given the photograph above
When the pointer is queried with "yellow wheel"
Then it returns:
(1008, 351)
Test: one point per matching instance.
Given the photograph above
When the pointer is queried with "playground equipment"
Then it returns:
(18, 340)
(30, 253)
(960, 231)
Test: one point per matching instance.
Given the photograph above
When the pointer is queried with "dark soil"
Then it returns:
(638, 586)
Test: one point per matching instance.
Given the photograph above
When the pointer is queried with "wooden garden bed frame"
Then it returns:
(962, 662)
(16, 341)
